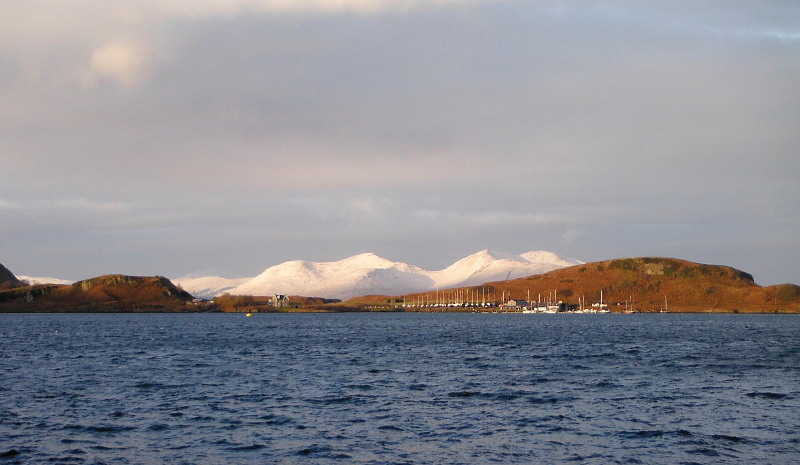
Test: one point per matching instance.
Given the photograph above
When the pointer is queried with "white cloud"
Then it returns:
(123, 63)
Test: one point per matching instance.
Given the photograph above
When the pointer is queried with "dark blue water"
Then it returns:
(399, 388)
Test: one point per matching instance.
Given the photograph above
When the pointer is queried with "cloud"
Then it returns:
(71, 204)
(234, 7)
(571, 235)
(417, 126)
(364, 205)
(125, 64)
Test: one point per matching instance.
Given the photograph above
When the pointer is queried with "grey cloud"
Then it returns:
(423, 133)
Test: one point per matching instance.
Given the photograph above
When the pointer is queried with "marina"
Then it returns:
(479, 300)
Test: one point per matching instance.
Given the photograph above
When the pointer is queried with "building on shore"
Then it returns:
(279, 301)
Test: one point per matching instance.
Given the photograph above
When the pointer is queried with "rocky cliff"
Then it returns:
(7, 278)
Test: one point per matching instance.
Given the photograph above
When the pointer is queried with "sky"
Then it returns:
(178, 138)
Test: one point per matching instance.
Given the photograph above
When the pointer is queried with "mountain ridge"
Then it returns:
(368, 273)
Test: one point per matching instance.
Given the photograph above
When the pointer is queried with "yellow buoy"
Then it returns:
(249, 314)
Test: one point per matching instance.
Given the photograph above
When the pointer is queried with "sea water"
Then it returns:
(418, 388)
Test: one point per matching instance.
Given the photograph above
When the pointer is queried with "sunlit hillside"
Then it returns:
(646, 284)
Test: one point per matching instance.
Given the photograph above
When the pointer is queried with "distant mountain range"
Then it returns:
(367, 274)
(33, 280)
(642, 284)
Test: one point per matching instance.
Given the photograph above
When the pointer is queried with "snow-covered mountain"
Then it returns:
(358, 275)
(208, 286)
(367, 273)
(489, 265)
(43, 280)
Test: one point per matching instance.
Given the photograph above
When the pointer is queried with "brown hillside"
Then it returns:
(643, 283)
(687, 286)
(110, 293)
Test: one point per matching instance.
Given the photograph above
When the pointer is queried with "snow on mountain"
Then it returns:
(543, 256)
(368, 273)
(358, 275)
(489, 265)
(207, 287)
(43, 280)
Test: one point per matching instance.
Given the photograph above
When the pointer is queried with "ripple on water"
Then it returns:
(323, 389)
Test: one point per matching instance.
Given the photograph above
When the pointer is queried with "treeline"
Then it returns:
(235, 303)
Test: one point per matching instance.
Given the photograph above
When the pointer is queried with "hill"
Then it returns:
(110, 293)
(645, 284)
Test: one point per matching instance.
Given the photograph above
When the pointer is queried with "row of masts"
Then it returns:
(487, 297)
(456, 297)
(483, 297)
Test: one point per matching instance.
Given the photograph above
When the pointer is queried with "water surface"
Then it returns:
(399, 389)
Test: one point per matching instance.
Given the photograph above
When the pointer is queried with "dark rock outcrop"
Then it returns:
(7, 279)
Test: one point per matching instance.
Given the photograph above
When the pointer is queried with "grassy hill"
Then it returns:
(687, 286)
(643, 283)
(110, 293)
